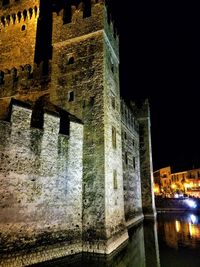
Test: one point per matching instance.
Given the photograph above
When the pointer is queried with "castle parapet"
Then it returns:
(127, 117)
(18, 17)
(21, 78)
(87, 17)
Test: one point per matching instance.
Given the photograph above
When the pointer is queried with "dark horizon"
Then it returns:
(159, 55)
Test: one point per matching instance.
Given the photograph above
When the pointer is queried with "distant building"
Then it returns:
(162, 180)
(187, 182)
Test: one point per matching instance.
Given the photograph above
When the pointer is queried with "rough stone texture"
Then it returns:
(58, 63)
(18, 30)
(131, 165)
(40, 184)
(94, 79)
(143, 115)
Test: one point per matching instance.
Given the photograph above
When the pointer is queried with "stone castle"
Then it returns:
(75, 159)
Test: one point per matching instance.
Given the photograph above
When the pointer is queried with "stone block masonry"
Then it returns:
(40, 188)
(66, 187)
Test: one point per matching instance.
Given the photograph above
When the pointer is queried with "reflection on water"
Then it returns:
(172, 241)
(179, 240)
(142, 243)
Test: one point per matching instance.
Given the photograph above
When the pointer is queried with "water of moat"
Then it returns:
(173, 240)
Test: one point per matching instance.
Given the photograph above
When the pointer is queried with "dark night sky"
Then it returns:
(159, 48)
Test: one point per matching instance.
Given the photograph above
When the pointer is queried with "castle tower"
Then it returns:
(85, 81)
(18, 26)
(142, 112)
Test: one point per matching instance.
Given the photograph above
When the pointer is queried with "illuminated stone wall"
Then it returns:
(52, 191)
(40, 188)
(131, 165)
(18, 25)
(85, 78)
(142, 113)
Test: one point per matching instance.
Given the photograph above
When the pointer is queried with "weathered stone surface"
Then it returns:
(131, 165)
(143, 116)
(40, 183)
(65, 187)
(18, 31)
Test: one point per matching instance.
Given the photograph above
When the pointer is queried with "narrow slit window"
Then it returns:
(125, 135)
(114, 138)
(71, 96)
(126, 158)
(133, 162)
(133, 142)
(113, 102)
(115, 185)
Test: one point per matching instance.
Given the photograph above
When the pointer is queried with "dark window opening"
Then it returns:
(133, 142)
(3, 21)
(134, 162)
(1, 77)
(25, 14)
(30, 12)
(19, 15)
(70, 61)
(8, 19)
(114, 138)
(126, 158)
(113, 102)
(35, 8)
(14, 18)
(71, 96)
(112, 68)
(125, 136)
(23, 28)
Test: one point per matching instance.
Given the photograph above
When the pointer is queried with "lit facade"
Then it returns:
(187, 182)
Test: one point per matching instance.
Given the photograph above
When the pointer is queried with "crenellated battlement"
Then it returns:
(27, 77)
(72, 21)
(51, 119)
(141, 109)
(18, 28)
(18, 17)
(128, 118)
(11, 5)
